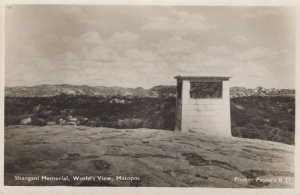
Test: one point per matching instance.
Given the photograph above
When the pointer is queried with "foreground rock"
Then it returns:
(142, 157)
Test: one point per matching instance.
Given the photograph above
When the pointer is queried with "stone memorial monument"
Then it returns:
(203, 105)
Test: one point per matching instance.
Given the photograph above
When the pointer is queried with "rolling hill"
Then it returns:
(157, 91)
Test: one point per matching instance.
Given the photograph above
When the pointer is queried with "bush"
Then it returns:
(156, 113)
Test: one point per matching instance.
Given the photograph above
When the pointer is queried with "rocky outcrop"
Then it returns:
(144, 157)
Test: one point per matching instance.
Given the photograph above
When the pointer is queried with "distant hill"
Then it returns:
(157, 91)
(54, 90)
(162, 90)
(260, 91)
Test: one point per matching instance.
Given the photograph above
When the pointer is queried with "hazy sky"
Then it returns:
(133, 46)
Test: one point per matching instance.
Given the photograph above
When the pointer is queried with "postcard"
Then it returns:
(145, 97)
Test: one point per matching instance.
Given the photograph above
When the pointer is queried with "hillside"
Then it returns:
(54, 90)
(267, 118)
(157, 91)
(259, 117)
(155, 157)
(260, 91)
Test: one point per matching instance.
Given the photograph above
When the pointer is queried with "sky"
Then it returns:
(145, 46)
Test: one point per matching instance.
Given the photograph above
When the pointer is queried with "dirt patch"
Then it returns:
(91, 156)
(10, 168)
(153, 156)
(143, 155)
(77, 156)
(253, 174)
(73, 156)
(100, 164)
(112, 137)
(24, 162)
(201, 176)
(254, 147)
(281, 173)
(222, 165)
(34, 143)
(197, 160)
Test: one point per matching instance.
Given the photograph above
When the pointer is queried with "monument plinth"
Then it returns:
(203, 105)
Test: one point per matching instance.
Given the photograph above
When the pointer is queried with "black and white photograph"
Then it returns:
(149, 96)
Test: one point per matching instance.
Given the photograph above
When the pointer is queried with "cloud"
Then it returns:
(239, 39)
(122, 40)
(149, 46)
(217, 50)
(175, 45)
(86, 39)
(256, 53)
(116, 57)
(82, 18)
(141, 55)
(90, 38)
(178, 21)
(93, 46)
(75, 12)
(101, 54)
(69, 56)
(262, 12)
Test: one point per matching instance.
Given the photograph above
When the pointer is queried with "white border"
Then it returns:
(8, 190)
(161, 2)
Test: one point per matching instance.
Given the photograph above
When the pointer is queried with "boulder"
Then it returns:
(70, 123)
(73, 119)
(25, 121)
(62, 121)
(51, 123)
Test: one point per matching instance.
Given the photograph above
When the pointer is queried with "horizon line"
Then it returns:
(131, 87)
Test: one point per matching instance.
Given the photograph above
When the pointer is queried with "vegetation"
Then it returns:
(268, 118)
(117, 112)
